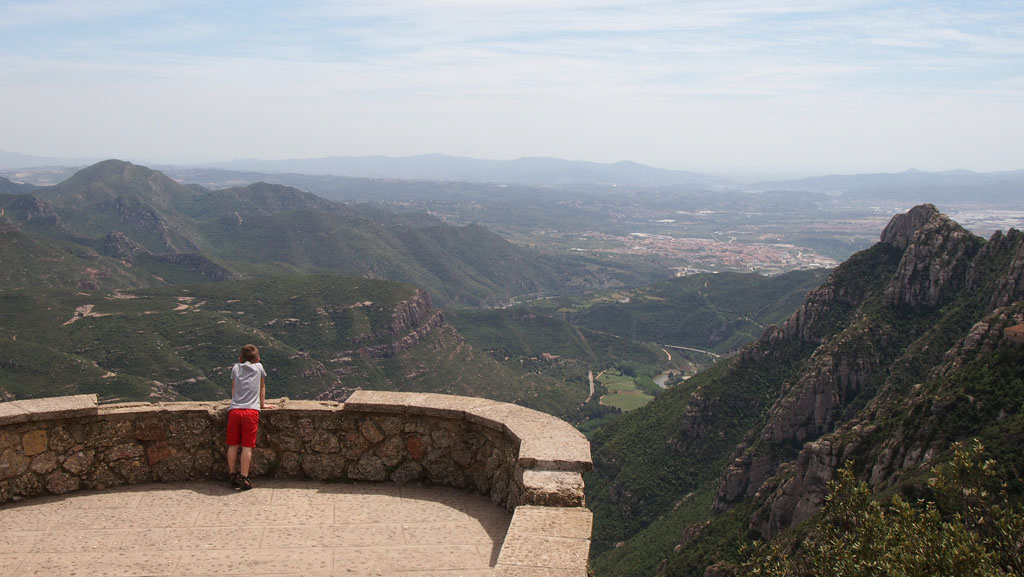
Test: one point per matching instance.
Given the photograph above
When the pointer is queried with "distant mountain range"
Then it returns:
(431, 167)
(913, 186)
(534, 170)
(9, 160)
(319, 174)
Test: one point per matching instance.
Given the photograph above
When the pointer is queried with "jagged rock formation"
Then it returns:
(33, 211)
(863, 364)
(122, 247)
(897, 355)
(411, 322)
(902, 228)
(934, 263)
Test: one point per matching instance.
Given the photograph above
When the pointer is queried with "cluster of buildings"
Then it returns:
(694, 255)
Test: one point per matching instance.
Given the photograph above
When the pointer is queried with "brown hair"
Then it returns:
(249, 353)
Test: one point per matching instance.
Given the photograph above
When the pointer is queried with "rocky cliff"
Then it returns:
(411, 321)
(897, 355)
(863, 370)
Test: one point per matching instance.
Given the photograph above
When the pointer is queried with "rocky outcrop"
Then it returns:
(34, 211)
(902, 228)
(743, 477)
(410, 314)
(411, 321)
(1009, 286)
(808, 408)
(811, 430)
(197, 263)
(934, 264)
(811, 408)
(122, 247)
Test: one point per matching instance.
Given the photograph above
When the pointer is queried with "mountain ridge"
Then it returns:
(225, 233)
(875, 366)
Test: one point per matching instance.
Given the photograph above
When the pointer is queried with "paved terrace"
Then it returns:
(414, 485)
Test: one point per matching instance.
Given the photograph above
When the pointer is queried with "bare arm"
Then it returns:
(263, 395)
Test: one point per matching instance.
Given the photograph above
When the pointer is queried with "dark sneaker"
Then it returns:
(236, 480)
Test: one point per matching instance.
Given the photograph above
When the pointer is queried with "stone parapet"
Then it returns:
(527, 461)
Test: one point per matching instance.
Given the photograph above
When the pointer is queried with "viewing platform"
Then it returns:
(397, 484)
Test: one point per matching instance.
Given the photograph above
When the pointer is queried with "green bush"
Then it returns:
(967, 526)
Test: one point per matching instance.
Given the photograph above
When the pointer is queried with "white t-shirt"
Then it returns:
(246, 378)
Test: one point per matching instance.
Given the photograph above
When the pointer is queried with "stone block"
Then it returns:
(11, 413)
(498, 416)
(544, 551)
(406, 473)
(133, 471)
(324, 442)
(551, 488)
(129, 411)
(448, 406)
(57, 407)
(556, 454)
(524, 571)
(34, 442)
(79, 462)
(368, 468)
(12, 464)
(370, 431)
(123, 451)
(44, 463)
(571, 522)
(290, 406)
(382, 401)
(391, 451)
(26, 485)
(323, 467)
(109, 433)
(101, 477)
(60, 482)
(150, 430)
(8, 439)
(354, 445)
(158, 452)
(414, 446)
(61, 440)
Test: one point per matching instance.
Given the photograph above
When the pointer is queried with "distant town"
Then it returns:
(696, 255)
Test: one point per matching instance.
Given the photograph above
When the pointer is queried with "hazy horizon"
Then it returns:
(739, 176)
(795, 88)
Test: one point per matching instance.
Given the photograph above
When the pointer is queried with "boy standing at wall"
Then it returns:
(248, 398)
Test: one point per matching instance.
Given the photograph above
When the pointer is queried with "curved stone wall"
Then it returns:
(526, 461)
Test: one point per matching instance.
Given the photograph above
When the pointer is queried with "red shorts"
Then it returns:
(242, 426)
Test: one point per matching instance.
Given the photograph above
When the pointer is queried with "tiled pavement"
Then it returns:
(277, 528)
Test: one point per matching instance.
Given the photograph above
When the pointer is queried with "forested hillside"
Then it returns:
(122, 282)
(135, 224)
(720, 312)
(896, 356)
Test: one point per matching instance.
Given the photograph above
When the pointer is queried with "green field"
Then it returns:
(624, 395)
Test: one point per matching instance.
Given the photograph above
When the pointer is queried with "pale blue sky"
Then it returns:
(716, 86)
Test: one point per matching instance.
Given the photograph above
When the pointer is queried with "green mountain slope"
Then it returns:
(719, 312)
(320, 337)
(897, 355)
(171, 233)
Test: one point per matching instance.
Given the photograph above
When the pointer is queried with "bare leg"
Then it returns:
(232, 458)
(246, 460)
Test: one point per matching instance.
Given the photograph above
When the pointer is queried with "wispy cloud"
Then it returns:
(403, 68)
